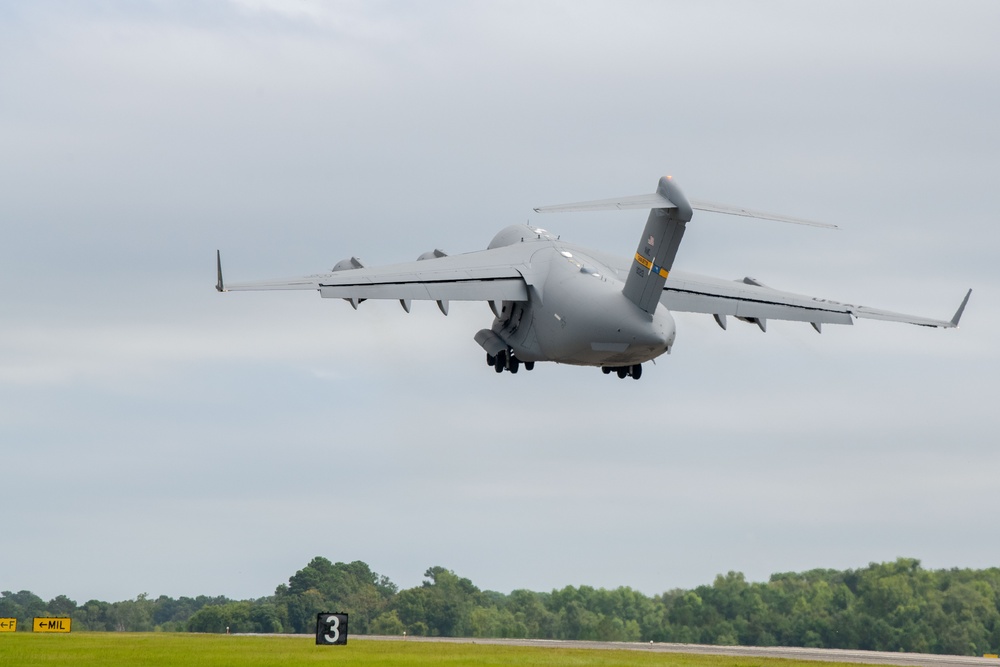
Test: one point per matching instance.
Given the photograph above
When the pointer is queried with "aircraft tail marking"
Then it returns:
(657, 247)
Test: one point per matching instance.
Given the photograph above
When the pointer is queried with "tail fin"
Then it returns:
(669, 211)
(657, 247)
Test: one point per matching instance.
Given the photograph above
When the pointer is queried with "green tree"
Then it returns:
(409, 605)
(209, 619)
(237, 617)
(325, 586)
(23, 605)
(388, 623)
(884, 606)
(132, 615)
(531, 611)
(61, 606)
(93, 616)
(448, 602)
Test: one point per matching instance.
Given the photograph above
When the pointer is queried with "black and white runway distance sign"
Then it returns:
(331, 629)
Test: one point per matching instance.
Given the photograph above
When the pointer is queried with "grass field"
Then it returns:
(83, 649)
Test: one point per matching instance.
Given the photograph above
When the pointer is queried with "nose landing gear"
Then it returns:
(634, 371)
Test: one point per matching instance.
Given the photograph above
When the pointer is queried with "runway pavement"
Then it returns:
(819, 654)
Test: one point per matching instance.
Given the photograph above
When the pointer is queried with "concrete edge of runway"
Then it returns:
(794, 653)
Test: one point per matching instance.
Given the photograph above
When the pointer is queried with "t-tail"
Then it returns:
(669, 212)
(657, 246)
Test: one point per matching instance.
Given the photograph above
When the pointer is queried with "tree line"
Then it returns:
(895, 606)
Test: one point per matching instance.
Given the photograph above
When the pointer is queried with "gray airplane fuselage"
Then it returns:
(576, 312)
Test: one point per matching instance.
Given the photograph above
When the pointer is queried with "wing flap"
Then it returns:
(693, 299)
(500, 289)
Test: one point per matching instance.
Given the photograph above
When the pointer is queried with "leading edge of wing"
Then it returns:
(750, 300)
(485, 275)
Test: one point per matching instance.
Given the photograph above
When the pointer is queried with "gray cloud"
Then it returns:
(178, 441)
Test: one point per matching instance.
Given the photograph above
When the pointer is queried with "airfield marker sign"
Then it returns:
(331, 629)
(53, 624)
(8, 624)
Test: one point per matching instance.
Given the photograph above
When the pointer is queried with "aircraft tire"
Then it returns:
(529, 365)
(622, 372)
(606, 370)
(636, 371)
(514, 363)
(490, 361)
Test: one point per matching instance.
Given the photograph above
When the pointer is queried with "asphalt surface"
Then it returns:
(820, 654)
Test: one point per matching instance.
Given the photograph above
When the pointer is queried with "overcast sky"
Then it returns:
(159, 437)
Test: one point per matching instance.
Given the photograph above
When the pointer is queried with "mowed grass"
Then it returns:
(83, 649)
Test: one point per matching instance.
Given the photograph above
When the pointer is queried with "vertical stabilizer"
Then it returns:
(657, 247)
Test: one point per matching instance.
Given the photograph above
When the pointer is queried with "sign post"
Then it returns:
(52, 624)
(331, 629)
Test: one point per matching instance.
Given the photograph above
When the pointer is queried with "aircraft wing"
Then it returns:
(748, 299)
(497, 274)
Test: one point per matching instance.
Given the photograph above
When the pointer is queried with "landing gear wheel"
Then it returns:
(606, 370)
(529, 365)
(636, 372)
(490, 361)
(622, 372)
(500, 361)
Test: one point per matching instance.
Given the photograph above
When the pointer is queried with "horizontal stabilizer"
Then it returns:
(657, 200)
(749, 213)
(654, 200)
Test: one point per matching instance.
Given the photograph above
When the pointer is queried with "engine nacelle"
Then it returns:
(347, 265)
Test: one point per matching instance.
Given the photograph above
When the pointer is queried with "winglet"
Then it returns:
(961, 309)
(220, 286)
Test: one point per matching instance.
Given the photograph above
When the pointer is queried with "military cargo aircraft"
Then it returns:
(556, 301)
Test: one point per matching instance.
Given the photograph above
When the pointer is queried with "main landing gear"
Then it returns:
(634, 371)
(505, 360)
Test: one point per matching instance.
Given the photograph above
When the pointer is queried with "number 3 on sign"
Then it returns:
(331, 629)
